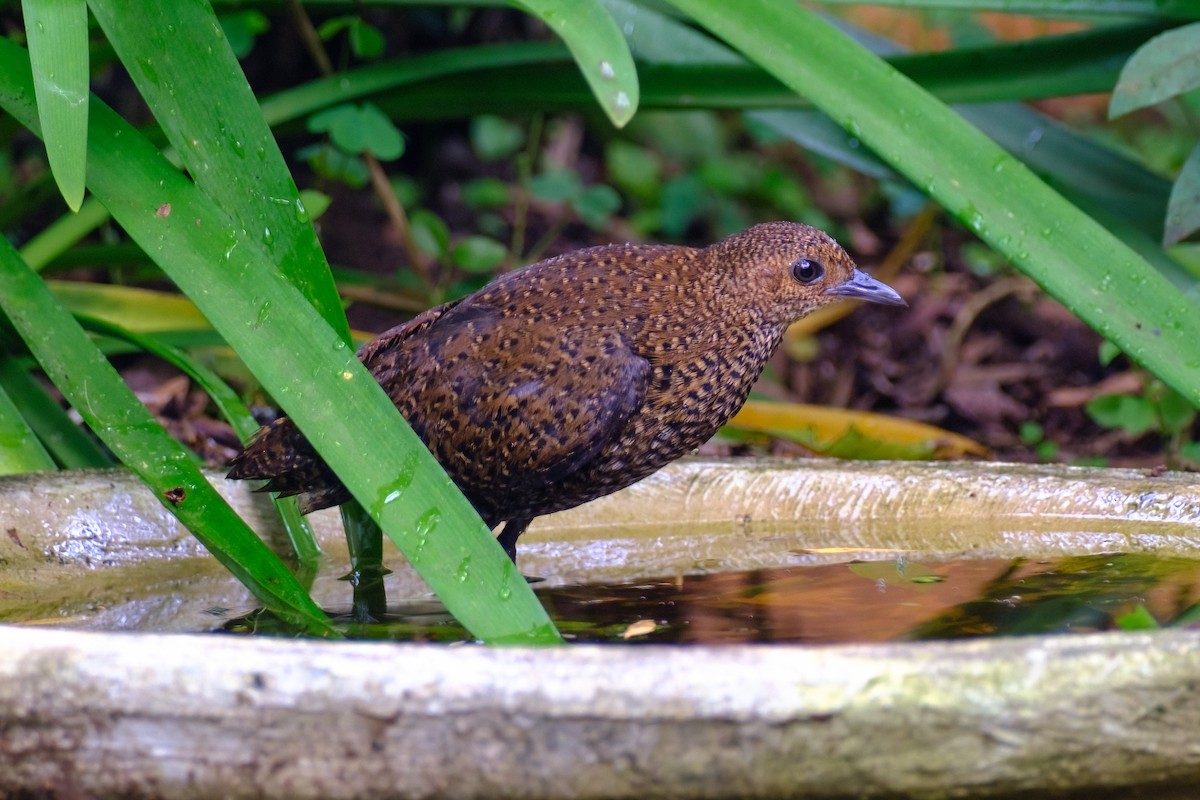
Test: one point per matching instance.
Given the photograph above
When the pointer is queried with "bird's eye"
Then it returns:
(806, 270)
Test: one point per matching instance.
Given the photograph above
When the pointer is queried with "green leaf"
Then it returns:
(139, 310)
(494, 138)
(179, 58)
(1183, 9)
(479, 254)
(366, 41)
(20, 449)
(683, 200)
(1046, 451)
(1131, 413)
(360, 129)
(317, 203)
(333, 26)
(1140, 619)
(58, 49)
(333, 164)
(637, 170)
(1075, 259)
(377, 79)
(1108, 351)
(242, 28)
(56, 238)
(110, 409)
(596, 204)
(1048, 66)
(485, 193)
(70, 445)
(233, 410)
(599, 50)
(556, 185)
(1166, 66)
(1177, 414)
(1031, 433)
(1183, 209)
(429, 233)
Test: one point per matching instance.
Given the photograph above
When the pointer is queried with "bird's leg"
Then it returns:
(365, 540)
(508, 537)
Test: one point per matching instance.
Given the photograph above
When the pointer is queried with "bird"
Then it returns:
(581, 374)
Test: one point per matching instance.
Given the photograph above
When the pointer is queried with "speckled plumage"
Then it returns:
(579, 375)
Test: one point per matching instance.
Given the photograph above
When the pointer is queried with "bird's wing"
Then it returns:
(508, 406)
(385, 353)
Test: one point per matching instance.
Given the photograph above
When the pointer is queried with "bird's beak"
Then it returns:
(862, 286)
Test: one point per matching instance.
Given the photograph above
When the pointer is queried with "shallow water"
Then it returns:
(861, 601)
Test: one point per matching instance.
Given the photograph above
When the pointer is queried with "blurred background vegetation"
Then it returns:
(1052, 283)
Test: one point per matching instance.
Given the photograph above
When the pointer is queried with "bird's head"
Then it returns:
(790, 270)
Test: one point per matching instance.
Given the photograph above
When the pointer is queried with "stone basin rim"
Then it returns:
(119, 714)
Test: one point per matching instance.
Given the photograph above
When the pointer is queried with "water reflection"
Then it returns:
(839, 603)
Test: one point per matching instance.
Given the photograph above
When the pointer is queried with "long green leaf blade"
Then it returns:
(131, 307)
(231, 407)
(599, 49)
(1178, 9)
(1166, 66)
(109, 407)
(291, 104)
(70, 445)
(183, 66)
(1075, 259)
(1183, 212)
(56, 238)
(20, 449)
(58, 50)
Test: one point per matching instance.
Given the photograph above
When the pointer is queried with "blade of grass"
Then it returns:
(96, 255)
(226, 400)
(1175, 9)
(56, 238)
(69, 445)
(234, 411)
(599, 49)
(20, 449)
(183, 66)
(132, 308)
(348, 418)
(1071, 256)
(110, 409)
(58, 49)
(1088, 168)
(298, 102)
(1032, 69)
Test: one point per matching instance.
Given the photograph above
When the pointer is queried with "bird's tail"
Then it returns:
(280, 455)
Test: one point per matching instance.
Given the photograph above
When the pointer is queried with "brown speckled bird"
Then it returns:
(579, 375)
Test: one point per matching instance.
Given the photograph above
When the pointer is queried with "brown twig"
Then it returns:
(379, 180)
(310, 37)
(965, 318)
